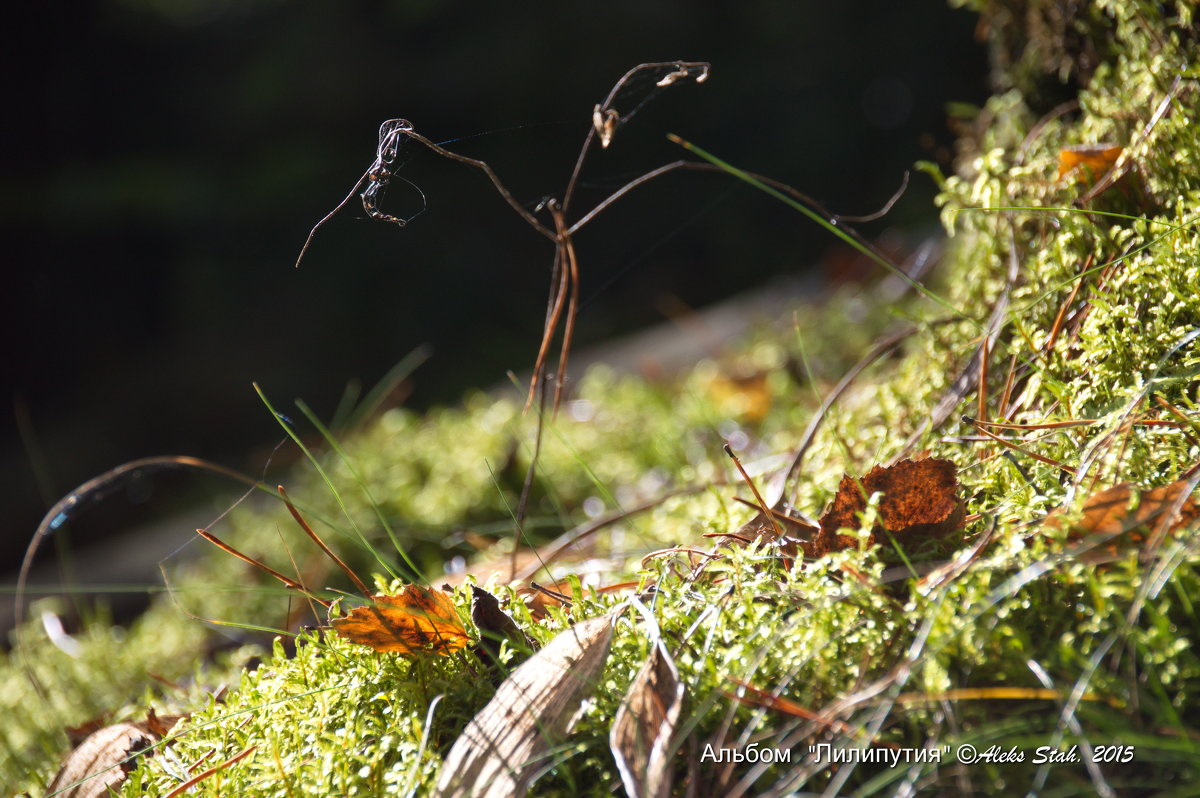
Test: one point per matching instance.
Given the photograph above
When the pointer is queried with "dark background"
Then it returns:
(165, 159)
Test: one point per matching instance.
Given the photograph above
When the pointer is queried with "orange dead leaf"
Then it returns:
(1087, 162)
(920, 499)
(418, 620)
(1120, 509)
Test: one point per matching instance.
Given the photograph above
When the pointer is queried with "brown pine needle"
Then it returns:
(554, 594)
(766, 511)
(1056, 328)
(764, 698)
(984, 353)
(1179, 414)
(287, 580)
(1082, 422)
(316, 539)
(1008, 385)
(194, 780)
(1019, 448)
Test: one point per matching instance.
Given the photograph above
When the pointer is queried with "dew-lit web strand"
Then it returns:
(564, 277)
(380, 172)
(380, 183)
(606, 120)
(94, 490)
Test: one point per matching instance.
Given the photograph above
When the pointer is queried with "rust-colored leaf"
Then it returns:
(417, 620)
(1087, 162)
(920, 499)
(504, 747)
(1121, 509)
(645, 724)
(100, 762)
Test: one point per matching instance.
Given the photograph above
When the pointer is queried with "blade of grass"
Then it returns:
(817, 218)
(416, 573)
(334, 444)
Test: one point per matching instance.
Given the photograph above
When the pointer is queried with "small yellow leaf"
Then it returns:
(417, 620)
(1087, 162)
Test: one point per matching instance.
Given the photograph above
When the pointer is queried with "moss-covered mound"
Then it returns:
(1003, 655)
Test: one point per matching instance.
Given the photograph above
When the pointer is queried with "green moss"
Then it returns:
(882, 653)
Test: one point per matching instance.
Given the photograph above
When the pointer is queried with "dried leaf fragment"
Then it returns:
(920, 499)
(797, 533)
(644, 725)
(502, 748)
(417, 620)
(494, 625)
(1088, 161)
(1121, 508)
(98, 765)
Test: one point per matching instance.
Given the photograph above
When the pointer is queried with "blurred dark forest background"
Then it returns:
(165, 159)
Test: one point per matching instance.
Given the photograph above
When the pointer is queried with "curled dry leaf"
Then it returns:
(503, 747)
(797, 533)
(539, 598)
(415, 621)
(644, 725)
(98, 765)
(920, 499)
(494, 625)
